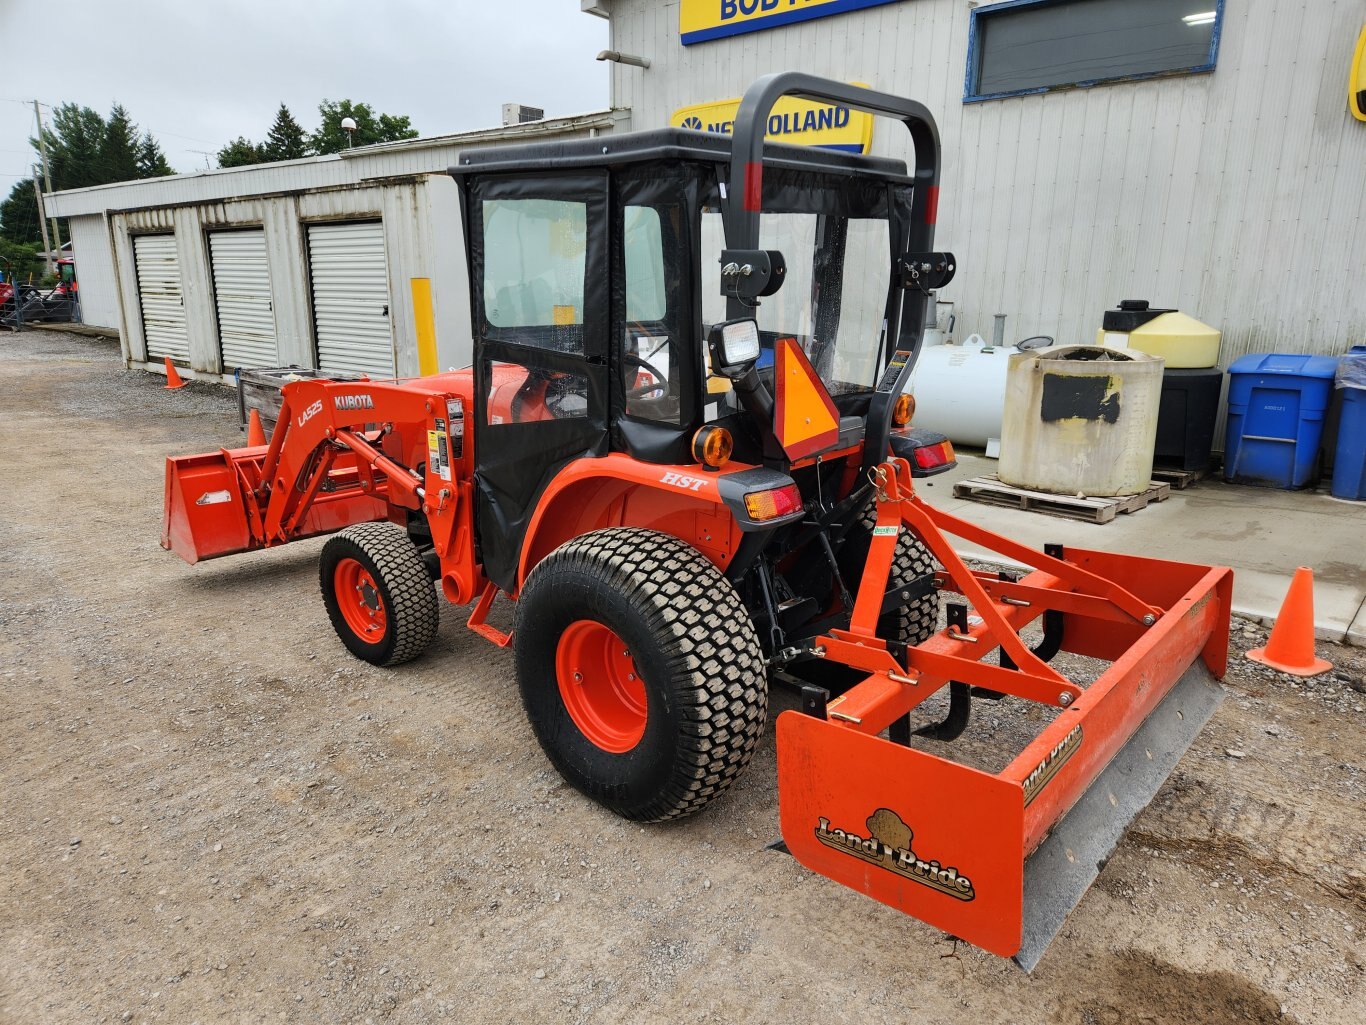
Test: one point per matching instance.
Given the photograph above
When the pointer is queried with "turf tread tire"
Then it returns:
(405, 586)
(697, 651)
(915, 621)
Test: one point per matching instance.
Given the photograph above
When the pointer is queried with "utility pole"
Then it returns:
(47, 180)
(42, 223)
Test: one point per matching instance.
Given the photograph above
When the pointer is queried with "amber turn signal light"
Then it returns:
(773, 503)
(711, 446)
(903, 410)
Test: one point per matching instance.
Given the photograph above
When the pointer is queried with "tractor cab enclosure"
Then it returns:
(608, 307)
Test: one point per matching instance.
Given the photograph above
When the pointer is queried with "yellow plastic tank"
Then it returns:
(1182, 342)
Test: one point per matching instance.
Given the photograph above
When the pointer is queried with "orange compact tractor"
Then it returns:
(684, 451)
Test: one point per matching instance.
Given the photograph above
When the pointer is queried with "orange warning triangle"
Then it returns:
(805, 420)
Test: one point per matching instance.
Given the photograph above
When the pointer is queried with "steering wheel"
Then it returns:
(641, 391)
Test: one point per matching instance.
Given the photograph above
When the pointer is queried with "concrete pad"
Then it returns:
(1356, 633)
(1262, 533)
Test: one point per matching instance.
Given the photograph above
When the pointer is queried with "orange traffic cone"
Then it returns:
(256, 435)
(172, 378)
(1290, 647)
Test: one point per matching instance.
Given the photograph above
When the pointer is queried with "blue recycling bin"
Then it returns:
(1349, 458)
(1276, 406)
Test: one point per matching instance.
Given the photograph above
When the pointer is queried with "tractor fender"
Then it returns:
(703, 508)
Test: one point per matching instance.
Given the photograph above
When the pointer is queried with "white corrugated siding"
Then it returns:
(159, 295)
(241, 283)
(97, 283)
(1237, 196)
(351, 297)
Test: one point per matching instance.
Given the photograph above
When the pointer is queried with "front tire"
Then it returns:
(378, 593)
(640, 671)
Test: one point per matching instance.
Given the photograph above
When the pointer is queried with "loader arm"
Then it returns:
(343, 452)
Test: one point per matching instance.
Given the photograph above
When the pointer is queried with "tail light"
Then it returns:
(773, 504)
(931, 456)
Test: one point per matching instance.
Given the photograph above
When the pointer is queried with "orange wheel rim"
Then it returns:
(359, 599)
(600, 686)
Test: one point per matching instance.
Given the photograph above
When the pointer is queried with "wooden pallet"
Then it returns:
(992, 490)
(1179, 479)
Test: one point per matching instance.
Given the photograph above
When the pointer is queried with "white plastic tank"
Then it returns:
(960, 390)
(1080, 419)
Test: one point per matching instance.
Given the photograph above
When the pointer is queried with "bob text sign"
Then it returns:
(701, 20)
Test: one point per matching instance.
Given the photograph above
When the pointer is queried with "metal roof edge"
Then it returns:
(235, 181)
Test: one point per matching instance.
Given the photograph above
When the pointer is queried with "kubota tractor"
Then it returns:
(684, 452)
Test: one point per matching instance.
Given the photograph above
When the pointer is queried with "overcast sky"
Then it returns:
(199, 73)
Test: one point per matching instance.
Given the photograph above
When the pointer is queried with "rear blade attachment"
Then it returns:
(999, 858)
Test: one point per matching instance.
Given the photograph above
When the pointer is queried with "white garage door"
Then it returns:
(163, 307)
(241, 286)
(351, 298)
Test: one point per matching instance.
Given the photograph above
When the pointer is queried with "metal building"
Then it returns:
(353, 262)
(1196, 153)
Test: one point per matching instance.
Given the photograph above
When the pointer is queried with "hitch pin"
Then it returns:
(963, 637)
(1006, 600)
(847, 718)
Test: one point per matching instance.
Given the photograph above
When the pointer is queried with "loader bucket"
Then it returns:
(998, 858)
(211, 509)
(204, 516)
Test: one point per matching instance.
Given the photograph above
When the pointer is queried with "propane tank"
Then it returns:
(959, 388)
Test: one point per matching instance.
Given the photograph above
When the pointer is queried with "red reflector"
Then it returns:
(773, 504)
(931, 204)
(754, 186)
(930, 456)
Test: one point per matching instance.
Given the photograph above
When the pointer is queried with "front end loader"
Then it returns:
(685, 453)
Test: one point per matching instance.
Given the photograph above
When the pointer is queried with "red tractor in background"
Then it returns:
(685, 452)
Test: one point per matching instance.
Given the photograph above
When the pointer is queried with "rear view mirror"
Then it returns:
(734, 346)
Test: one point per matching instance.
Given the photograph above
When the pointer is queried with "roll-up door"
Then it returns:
(351, 298)
(163, 307)
(241, 287)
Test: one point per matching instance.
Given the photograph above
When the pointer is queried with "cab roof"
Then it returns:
(666, 144)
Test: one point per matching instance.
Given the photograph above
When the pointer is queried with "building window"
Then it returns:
(1029, 46)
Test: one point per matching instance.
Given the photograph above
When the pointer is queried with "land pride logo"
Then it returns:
(888, 845)
(1052, 762)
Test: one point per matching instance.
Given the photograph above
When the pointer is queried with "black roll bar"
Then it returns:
(746, 200)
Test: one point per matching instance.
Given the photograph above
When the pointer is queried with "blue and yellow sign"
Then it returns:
(799, 122)
(701, 20)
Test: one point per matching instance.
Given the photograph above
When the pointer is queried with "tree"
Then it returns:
(74, 143)
(151, 161)
(119, 147)
(370, 127)
(286, 139)
(83, 149)
(19, 215)
(239, 153)
(20, 259)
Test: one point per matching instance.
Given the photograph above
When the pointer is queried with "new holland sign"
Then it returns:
(700, 20)
(801, 122)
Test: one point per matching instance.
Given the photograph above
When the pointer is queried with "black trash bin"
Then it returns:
(1185, 418)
